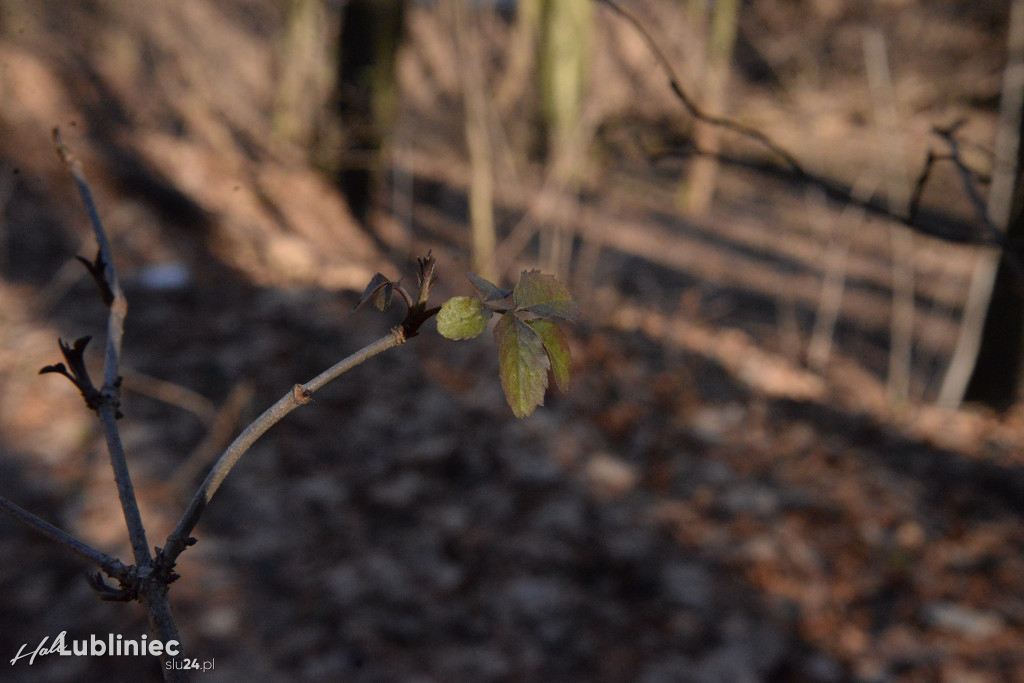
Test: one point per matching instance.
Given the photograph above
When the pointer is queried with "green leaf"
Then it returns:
(523, 363)
(557, 346)
(545, 297)
(488, 290)
(462, 317)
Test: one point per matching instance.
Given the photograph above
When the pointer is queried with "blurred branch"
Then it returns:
(792, 169)
(221, 425)
(470, 54)
(522, 55)
(304, 74)
(901, 315)
(564, 57)
(995, 213)
(834, 283)
(970, 178)
(172, 394)
(691, 105)
(698, 189)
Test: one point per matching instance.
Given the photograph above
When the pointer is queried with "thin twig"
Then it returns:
(968, 178)
(110, 566)
(691, 106)
(172, 394)
(152, 586)
(125, 489)
(299, 395)
(110, 392)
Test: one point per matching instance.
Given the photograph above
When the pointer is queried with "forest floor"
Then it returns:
(704, 504)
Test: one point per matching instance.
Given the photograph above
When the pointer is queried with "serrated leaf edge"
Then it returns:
(559, 371)
(565, 308)
(523, 402)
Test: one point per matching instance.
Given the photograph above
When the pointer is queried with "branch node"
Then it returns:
(98, 270)
(399, 334)
(162, 570)
(76, 371)
(128, 591)
(301, 394)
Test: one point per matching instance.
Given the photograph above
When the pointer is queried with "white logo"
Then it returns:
(97, 647)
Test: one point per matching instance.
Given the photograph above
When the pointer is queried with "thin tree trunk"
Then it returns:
(989, 340)
(565, 55)
(478, 139)
(371, 33)
(699, 187)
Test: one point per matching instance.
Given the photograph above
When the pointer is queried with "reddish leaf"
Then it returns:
(488, 290)
(545, 297)
(380, 290)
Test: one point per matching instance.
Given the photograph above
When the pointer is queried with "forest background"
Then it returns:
(758, 470)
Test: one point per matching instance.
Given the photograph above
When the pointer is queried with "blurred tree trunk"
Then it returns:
(997, 379)
(305, 76)
(698, 188)
(468, 45)
(566, 27)
(986, 365)
(521, 56)
(371, 33)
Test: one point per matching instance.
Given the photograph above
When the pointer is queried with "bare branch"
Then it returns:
(968, 177)
(104, 261)
(151, 580)
(299, 395)
(922, 181)
(108, 407)
(110, 566)
(691, 106)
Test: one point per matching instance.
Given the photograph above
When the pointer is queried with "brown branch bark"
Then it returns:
(152, 588)
(300, 394)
